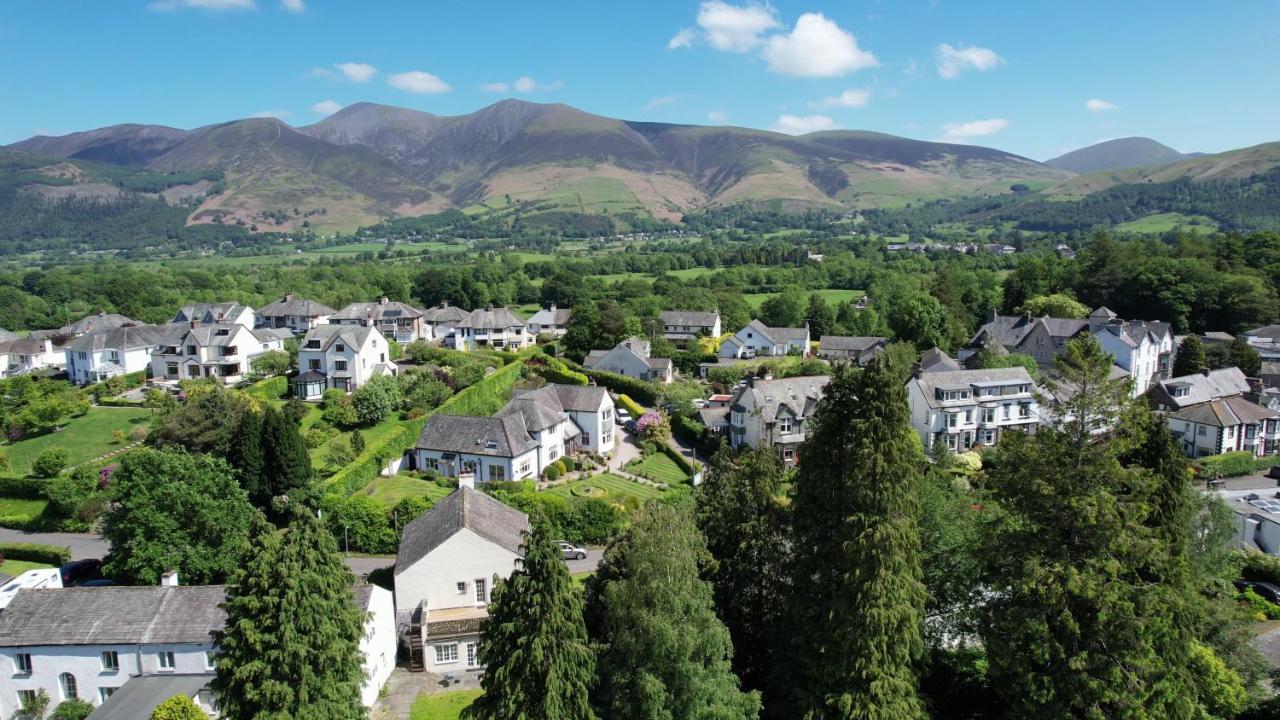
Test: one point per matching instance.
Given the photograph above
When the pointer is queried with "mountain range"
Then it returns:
(368, 162)
(1119, 154)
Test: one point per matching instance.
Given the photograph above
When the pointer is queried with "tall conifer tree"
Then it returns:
(291, 647)
(855, 638)
(538, 662)
(286, 464)
(247, 458)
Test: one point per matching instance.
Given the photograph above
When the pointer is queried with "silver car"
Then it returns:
(572, 552)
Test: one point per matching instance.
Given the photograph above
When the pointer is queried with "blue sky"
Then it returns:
(1014, 75)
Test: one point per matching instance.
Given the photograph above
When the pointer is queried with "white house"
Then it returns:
(588, 407)
(378, 643)
(448, 560)
(439, 321)
(223, 350)
(294, 314)
(631, 358)
(552, 321)
(963, 407)
(756, 339)
(395, 320)
(775, 413)
(102, 354)
(229, 313)
(1145, 350)
(498, 328)
(492, 448)
(341, 357)
(680, 326)
(1210, 414)
(138, 698)
(29, 354)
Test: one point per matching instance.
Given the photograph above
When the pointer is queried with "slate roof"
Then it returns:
(269, 334)
(1103, 313)
(100, 321)
(474, 435)
(1011, 330)
(849, 343)
(929, 383)
(538, 414)
(1133, 332)
(140, 696)
(382, 310)
(798, 394)
(553, 316)
(577, 398)
(117, 615)
(1204, 387)
(779, 335)
(124, 338)
(23, 346)
(444, 313)
(689, 318)
(464, 508)
(7, 335)
(1226, 412)
(208, 312)
(294, 307)
(1266, 332)
(491, 319)
(935, 360)
(353, 335)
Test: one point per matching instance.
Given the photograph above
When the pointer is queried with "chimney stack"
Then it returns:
(169, 578)
(382, 300)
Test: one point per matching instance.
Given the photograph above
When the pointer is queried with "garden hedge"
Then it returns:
(1232, 464)
(25, 488)
(269, 389)
(640, 390)
(34, 552)
(631, 406)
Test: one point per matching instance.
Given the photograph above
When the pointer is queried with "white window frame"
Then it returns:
(22, 664)
(482, 591)
(166, 661)
(110, 660)
(473, 654)
(462, 587)
(784, 424)
(69, 686)
(446, 654)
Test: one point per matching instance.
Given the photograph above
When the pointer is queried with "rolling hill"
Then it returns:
(1130, 152)
(368, 162)
(1230, 165)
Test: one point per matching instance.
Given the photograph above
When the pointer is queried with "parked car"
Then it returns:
(621, 417)
(630, 425)
(1267, 591)
(78, 571)
(572, 552)
(1274, 472)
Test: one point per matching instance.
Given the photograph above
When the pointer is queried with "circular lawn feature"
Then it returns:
(587, 490)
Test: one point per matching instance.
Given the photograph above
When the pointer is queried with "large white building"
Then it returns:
(491, 327)
(102, 354)
(961, 407)
(631, 357)
(216, 314)
(759, 340)
(340, 357)
(775, 413)
(1144, 350)
(294, 314)
(682, 326)
(29, 354)
(395, 320)
(1209, 414)
(448, 561)
(551, 321)
(224, 351)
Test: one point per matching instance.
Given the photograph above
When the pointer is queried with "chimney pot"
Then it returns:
(169, 578)
(382, 300)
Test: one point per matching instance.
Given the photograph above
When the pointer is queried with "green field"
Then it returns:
(391, 490)
(755, 300)
(689, 273)
(84, 438)
(615, 488)
(1165, 222)
(442, 706)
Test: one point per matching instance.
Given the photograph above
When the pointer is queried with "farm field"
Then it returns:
(1165, 222)
(755, 300)
(84, 438)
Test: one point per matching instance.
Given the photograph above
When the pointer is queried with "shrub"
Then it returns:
(72, 710)
(25, 488)
(560, 467)
(331, 397)
(685, 464)
(374, 401)
(359, 522)
(1259, 567)
(569, 464)
(340, 412)
(34, 552)
(1258, 607)
(551, 473)
(631, 406)
(467, 375)
(1232, 464)
(138, 433)
(315, 437)
(272, 389)
(179, 707)
(68, 492)
(654, 426)
(50, 462)
(357, 442)
(275, 362)
(295, 409)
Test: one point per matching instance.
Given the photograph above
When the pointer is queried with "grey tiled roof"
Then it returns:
(798, 394)
(557, 316)
(354, 335)
(930, 382)
(778, 335)
(7, 335)
(690, 318)
(1214, 385)
(123, 338)
(140, 696)
(493, 436)
(849, 343)
(389, 310)
(1226, 412)
(537, 413)
(116, 615)
(491, 319)
(101, 321)
(444, 314)
(214, 335)
(1266, 332)
(935, 360)
(208, 312)
(561, 398)
(269, 334)
(294, 307)
(464, 508)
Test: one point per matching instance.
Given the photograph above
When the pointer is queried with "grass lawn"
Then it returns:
(371, 435)
(84, 438)
(755, 300)
(22, 509)
(613, 487)
(442, 706)
(663, 469)
(14, 568)
(391, 490)
(1164, 222)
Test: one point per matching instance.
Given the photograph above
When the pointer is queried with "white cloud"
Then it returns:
(277, 114)
(294, 6)
(357, 72)
(718, 117)
(522, 84)
(851, 98)
(958, 132)
(498, 87)
(326, 107)
(419, 82)
(1097, 105)
(799, 125)
(733, 28)
(954, 60)
(816, 47)
(682, 39)
(214, 5)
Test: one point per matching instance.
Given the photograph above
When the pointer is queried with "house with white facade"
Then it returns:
(631, 357)
(588, 407)
(682, 326)
(775, 413)
(395, 320)
(86, 324)
(551, 321)
(1265, 340)
(340, 357)
(107, 353)
(378, 642)
(28, 355)
(138, 698)
(441, 319)
(446, 567)
(962, 407)
(228, 313)
(293, 314)
(491, 327)
(224, 351)
(757, 340)
(1211, 413)
(1145, 350)
(851, 349)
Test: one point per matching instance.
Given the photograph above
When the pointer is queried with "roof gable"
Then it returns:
(464, 508)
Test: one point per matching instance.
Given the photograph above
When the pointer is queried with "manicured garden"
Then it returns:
(391, 490)
(442, 706)
(658, 466)
(84, 438)
(606, 487)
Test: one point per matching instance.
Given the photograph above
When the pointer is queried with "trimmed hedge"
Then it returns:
(34, 552)
(685, 464)
(270, 389)
(631, 406)
(1232, 464)
(25, 488)
(119, 402)
(690, 431)
(555, 371)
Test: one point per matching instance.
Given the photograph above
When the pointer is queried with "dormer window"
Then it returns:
(223, 331)
(1179, 391)
(313, 344)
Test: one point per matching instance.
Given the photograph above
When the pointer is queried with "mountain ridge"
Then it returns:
(1119, 154)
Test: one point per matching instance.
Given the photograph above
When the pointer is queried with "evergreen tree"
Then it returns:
(820, 317)
(248, 460)
(665, 653)
(740, 514)
(857, 604)
(286, 464)
(357, 442)
(1190, 359)
(291, 646)
(1086, 616)
(538, 662)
